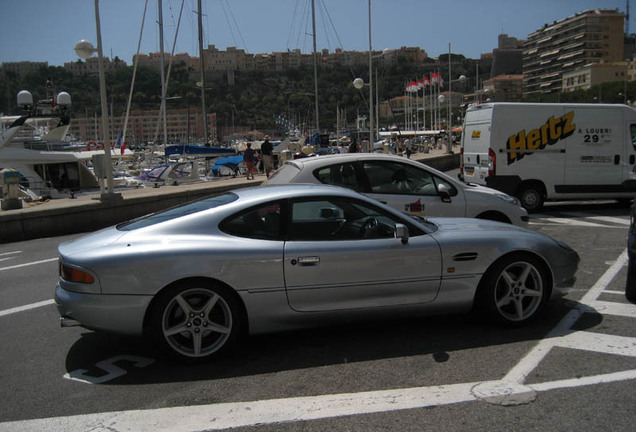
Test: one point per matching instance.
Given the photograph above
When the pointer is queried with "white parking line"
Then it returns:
(26, 307)
(28, 264)
(510, 390)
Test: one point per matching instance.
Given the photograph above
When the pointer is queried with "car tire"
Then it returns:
(195, 321)
(531, 197)
(514, 290)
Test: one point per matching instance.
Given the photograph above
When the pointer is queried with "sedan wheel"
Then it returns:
(195, 322)
(514, 290)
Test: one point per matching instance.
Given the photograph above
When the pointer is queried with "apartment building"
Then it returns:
(593, 74)
(591, 36)
(144, 126)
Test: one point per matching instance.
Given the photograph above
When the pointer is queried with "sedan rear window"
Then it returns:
(176, 212)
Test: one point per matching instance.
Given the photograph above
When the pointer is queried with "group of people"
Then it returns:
(250, 158)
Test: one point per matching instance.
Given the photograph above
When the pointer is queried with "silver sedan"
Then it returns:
(196, 277)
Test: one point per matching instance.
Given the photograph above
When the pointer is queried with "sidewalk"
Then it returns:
(87, 213)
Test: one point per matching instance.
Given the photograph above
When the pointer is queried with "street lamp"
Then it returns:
(85, 50)
(442, 98)
(359, 83)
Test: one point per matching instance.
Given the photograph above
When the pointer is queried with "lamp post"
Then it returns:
(442, 98)
(85, 50)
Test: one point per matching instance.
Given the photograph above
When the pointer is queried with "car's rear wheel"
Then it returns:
(195, 321)
(514, 290)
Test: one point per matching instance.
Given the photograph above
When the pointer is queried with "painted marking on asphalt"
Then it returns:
(509, 391)
(26, 307)
(109, 366)
(28, 264)
(4, 254)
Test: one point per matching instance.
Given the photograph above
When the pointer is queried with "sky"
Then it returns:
(47, 30)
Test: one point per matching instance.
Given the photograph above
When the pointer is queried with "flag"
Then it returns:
(420, 84)
(427, 82)
(119, 143)
(435, 77)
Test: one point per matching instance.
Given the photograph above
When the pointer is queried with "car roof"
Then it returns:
(292, 190)
(315, 161)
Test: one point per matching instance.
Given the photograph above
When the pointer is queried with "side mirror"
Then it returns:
(444, 193)
(402, 232)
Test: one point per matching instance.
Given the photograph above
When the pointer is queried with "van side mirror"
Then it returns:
(444, 193)
(402, 232)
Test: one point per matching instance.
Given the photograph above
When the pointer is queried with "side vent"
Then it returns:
(465, 256)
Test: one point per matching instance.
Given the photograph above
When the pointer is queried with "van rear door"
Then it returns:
(475, 143)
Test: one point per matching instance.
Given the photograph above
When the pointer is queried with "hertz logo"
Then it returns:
(476, 134)
(554, 130)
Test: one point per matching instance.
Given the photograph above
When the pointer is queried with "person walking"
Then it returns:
(248, 157)
(353, 147)
(267, 152)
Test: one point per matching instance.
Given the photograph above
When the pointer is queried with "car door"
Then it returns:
(343, 254)
(411, 189)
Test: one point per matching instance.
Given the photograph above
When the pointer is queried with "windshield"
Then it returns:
(176, 212)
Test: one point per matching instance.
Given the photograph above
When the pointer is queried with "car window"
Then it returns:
(340, 175)
(262, 222)
(177, 212)
(387, 177)
(340, 219)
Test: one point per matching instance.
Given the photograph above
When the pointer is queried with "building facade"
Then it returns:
(183, 125)
(594, 74)
(588, 37)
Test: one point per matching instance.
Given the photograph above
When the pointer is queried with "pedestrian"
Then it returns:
(353, 147)
(267, 152)
(408, 148)
(248, 157)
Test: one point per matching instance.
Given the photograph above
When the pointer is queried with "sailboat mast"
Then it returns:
(313, 22)
(163, 80)
(202, 63)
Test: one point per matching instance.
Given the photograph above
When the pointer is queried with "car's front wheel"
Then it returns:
(514, 290)
(195, 321)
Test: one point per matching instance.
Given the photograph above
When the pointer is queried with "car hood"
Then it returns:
(467, 224)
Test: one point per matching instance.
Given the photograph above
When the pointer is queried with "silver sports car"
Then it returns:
(196, 277)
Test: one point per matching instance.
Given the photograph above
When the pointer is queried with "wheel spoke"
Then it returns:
(504, 301)
(525, 274)
(183, 303)
(207, 308)
(217, 328)
(181, 328)
(197, 338)
(519, 308)
(532, 293)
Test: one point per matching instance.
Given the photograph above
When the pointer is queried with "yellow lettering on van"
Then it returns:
(549, 133)
(476, 134)
(568, 126)
(534, 139)
(516, 142)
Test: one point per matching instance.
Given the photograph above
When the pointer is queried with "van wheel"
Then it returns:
(531, 197)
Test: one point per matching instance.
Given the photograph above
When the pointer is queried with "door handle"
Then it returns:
(308, 260)
(617, 159)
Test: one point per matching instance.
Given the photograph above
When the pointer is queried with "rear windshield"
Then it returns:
(176, 212)
(284, 174)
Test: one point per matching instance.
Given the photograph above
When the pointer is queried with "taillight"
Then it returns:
(492, 162)
(461, 160)
(71, 274)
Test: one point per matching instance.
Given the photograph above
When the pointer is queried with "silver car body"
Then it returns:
(418, 192)
(284, 284)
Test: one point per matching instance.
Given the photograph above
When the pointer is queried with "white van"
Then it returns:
(550, 151)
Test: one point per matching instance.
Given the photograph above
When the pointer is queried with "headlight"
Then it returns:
(508, 198)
